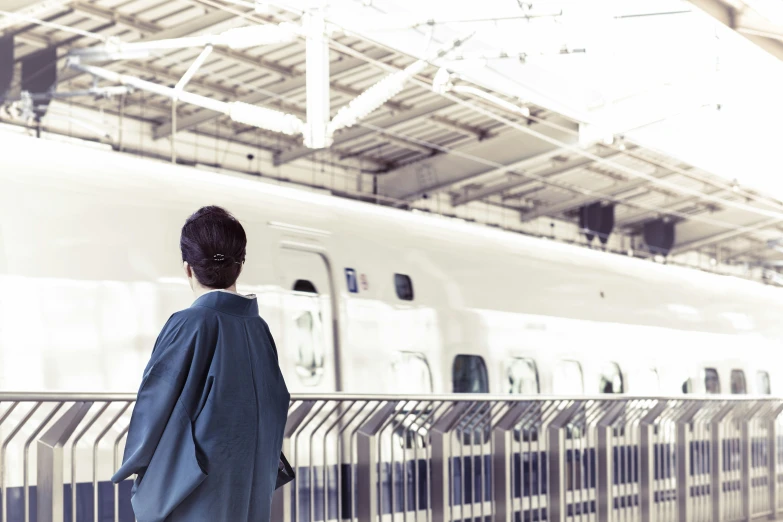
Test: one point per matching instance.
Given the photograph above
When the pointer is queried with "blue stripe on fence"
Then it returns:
(471, 480)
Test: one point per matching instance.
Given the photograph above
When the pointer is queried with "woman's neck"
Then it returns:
(199, 290)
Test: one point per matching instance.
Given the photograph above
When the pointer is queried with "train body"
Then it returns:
(360, 298)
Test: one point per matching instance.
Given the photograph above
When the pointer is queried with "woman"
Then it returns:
(207, 428)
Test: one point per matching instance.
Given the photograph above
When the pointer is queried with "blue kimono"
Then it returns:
(207, 428)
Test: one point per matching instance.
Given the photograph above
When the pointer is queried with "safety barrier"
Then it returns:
(434, 458)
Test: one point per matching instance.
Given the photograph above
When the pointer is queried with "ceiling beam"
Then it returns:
(280, 88)
(443, 171)
(559, 208)
(633, 218)
(725, 236)
(463, 128)
(358, 132)
(196, 25)
(748, 23)
(288, 73)
(551, 174)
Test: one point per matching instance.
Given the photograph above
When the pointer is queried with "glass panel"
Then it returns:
(412, 373)
(711, 381)
(567, 379)
(306, 334)
(611, 379)
(522, 377)
(763, 384)
(404, 287)
(469, 375)
(738, 382)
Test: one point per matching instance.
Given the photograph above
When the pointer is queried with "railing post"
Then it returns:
(745, 441)
(503, 462)
(647, 460)
(716, 463)
(684, 462)
(603, 487)
(50, 462)
(772, 461)
(283, 506)
(368, 472)
(440, 444)
(556, 461)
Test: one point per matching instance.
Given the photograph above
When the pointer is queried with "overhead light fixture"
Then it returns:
(33, 11)
(368, 101)
(255, 35)
(236, 38)
(264, 118)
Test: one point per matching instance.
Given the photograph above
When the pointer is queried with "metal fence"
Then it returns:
(434, 458)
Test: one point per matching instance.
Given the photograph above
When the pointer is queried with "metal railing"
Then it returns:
(434, 458)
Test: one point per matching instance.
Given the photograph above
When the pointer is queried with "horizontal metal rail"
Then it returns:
(434, 458)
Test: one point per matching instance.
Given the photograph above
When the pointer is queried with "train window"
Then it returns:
(522, 375)
(469, 374)
(687, 385)
(412, 373)
(763, 384)
(304, 286)
(611, 379)
(404, 287)
(738, 386)
(711, 381)
(307, 336)
(567, 379)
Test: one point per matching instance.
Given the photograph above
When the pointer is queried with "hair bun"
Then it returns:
(213, 229)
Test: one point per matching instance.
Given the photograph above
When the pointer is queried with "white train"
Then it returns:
(360, 298)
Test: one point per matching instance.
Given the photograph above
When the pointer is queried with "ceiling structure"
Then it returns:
(455, 152)
(760, 21)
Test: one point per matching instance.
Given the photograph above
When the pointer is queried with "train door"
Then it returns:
(308, 310)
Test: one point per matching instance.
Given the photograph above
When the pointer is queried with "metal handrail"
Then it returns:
(436, 457)
(348, 396)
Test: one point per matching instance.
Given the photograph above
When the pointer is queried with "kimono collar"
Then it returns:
(229, 302)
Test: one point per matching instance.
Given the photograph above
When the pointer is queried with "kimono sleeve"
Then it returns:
(160, 389)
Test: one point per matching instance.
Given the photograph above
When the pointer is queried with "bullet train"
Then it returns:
(360, 298)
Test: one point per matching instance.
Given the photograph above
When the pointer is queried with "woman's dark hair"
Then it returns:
(213, 243)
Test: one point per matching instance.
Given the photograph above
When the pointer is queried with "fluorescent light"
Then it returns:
(33, 11)
(254, 35)
(264, 118)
